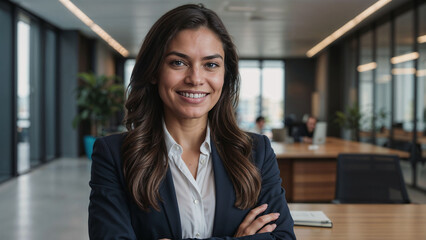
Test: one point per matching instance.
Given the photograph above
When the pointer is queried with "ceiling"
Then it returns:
(266, 29)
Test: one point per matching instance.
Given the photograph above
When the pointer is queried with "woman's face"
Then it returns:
(192, 75)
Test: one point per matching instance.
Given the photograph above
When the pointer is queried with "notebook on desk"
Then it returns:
(311, 218)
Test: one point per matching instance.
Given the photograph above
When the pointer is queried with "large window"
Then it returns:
(261, 93)
(23, 89)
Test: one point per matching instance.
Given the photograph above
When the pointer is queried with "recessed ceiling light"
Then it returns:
(405, 57)
(345, 28)
(235, 8)
(95, 27)
(367, 67)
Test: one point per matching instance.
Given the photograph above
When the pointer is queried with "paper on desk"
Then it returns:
(311, 218)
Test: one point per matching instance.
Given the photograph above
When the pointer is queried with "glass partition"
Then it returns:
(421, 88)
(383, 89)
(403, 71)
(365, 69)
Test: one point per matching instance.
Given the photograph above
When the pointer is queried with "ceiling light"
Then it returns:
(95, 27)
(404, 57)
(403, 71)
(241, 9)
(345, 28)
(367, 67)
(421, 39)
(421, 73)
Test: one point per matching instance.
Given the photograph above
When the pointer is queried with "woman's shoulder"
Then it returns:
(258, 140)
(115, 137)
(113, 140)
(260, 144)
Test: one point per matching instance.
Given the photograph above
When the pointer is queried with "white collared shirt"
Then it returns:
(196, 197)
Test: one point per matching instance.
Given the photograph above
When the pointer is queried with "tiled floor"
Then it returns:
(51, 201)
(47, 203)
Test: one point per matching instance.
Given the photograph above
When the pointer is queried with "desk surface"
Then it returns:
(366, 221)
(331, 149)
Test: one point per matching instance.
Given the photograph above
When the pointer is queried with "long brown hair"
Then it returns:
(144, 150)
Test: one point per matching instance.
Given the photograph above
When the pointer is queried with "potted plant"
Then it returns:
(350, 120)
(98, 98)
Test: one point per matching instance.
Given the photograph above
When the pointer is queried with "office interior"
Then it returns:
(378, 68)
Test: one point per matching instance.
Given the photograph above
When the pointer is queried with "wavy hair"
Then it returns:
(144, 153)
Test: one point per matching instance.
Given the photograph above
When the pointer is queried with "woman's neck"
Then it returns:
(189, 133)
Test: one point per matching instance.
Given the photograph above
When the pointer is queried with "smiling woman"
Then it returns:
(184, 169)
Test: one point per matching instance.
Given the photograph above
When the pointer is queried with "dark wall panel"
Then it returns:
(6, 96)
(335, 86)
(68, 68)
(299, 86)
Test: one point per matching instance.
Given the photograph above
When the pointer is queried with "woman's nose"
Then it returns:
(194, 76)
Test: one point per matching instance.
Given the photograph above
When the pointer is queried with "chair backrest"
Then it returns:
(370, 178)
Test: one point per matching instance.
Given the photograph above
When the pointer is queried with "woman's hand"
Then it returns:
(253, 224)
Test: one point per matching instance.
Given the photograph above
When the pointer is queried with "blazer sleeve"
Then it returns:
(109, 216)
(271, 193)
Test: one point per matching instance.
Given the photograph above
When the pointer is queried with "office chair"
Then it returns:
(369, 178)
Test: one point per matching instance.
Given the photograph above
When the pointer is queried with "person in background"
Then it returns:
(184, 169)
(259, 125)
(305, 132)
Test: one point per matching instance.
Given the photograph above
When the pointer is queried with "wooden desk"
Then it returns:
(310, 175)
(366, 222)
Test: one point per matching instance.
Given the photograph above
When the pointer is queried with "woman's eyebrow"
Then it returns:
(187, 57)
(213, 57)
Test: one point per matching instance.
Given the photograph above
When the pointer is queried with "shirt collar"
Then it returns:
(172, 146)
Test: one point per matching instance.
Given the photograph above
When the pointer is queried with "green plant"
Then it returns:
(350, 120)
(381, 118)
(98, 98)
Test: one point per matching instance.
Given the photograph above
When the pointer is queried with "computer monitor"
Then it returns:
(320, 133)
(279, 134)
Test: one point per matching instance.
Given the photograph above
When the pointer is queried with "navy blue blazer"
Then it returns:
(114, 215)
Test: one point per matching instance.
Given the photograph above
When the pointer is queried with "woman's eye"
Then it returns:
(212, 65)
(177, 63)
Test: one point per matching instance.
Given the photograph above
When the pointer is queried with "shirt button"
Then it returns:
(202, 161)
(195, 201)
(197, 235)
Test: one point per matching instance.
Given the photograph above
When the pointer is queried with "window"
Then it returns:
(261, 93)
(23, 88)
(128, 68)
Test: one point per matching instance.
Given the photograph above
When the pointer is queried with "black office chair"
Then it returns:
(369, 178)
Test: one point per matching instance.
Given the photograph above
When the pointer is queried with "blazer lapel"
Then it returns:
(225, 194)
(170, 205)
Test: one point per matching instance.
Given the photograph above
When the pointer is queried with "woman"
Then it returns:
(184, 169)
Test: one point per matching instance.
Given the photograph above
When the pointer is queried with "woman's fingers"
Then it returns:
(268, 228)
(261, 221)
(252, 215)
(253, 224)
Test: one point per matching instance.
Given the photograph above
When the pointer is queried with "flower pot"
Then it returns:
(89, 141)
